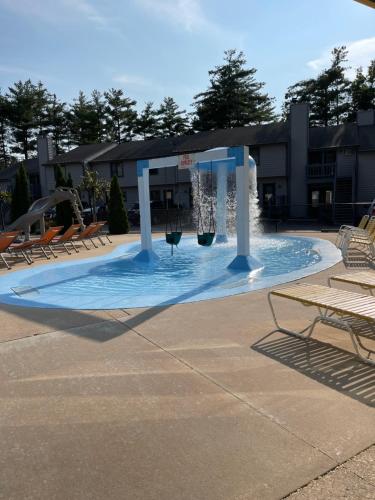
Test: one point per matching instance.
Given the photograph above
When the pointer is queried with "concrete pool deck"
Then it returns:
(190, 401)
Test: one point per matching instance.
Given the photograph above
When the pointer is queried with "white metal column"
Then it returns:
(221, 204)
(243, 261)
(146, 254)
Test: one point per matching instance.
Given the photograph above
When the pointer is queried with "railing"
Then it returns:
(321, 170)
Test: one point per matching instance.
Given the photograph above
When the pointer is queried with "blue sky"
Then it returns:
(155, 48)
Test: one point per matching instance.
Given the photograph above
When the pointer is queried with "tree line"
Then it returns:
(234, 97)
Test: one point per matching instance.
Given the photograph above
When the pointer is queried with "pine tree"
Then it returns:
(121, 116)
(21, 194)
(172, 121)
(57, 123)
(82, 121)
(328, 94)
(98, 105)
(363, 91)
(27, 104)
(4, 132)
(147, 125)
(117, 215)
(234, 97)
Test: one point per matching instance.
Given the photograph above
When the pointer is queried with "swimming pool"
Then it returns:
(193, 273)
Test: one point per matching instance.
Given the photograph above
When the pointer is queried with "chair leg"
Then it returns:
(93, 242)
(4, 260)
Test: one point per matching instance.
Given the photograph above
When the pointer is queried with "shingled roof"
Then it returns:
(156, 148)
(80, 154)
(333, 137)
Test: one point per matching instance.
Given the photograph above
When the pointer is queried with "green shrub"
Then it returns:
(117, 215)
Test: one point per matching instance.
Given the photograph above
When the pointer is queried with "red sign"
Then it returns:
(185, 161)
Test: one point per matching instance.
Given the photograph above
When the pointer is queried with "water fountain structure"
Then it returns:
(222, 161)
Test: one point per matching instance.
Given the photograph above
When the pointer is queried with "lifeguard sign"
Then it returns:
(186, 161)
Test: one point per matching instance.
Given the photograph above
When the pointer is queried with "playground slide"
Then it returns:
(39, 207)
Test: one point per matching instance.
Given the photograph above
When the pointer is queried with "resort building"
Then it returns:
(303, 172)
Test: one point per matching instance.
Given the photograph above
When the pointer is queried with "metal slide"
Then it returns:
(39, 207)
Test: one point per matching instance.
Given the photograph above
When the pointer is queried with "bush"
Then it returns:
(21, 194)
(117, 215)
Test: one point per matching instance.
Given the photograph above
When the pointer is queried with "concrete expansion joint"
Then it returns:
(332, 470)
(260, 412)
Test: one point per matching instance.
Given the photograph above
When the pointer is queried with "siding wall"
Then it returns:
(345, 162)
(272, 161)
(366, 176)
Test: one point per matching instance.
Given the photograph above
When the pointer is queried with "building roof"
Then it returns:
(80, 154)
(347, 135)
(31, 165)
(333, 137)
(156, 148)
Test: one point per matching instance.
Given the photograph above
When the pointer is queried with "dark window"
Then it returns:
(155, 195)
(322, 157)
(153, 171)
(330, 156)
(268, 194)
(315, 157)
(254, 152)
(117, 170)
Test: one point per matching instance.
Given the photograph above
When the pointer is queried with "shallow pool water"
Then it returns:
(192, 273)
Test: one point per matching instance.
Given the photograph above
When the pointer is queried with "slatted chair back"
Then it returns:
(7, 240)
(69, 233)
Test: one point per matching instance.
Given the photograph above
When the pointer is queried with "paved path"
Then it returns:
(190, 401)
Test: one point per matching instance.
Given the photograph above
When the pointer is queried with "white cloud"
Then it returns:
(21, 72)
(189, 16)
(57, 11)
(361, 52)
(133, 80)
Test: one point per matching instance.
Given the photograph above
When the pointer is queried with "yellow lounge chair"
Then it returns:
(364, 279)
(345, 229)
(335, 307)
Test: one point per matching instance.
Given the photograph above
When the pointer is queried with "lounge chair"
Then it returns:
(87, 234)
(364, 279)
(43, 243)
(335, 308)
(102, 233)
(67, 238)
(361, 242)
(357, 233)
(344, 229)
(6, 239)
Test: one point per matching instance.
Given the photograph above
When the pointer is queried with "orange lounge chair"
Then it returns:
(6, 239)
(89, 233)
(67, 238)
(44, 242)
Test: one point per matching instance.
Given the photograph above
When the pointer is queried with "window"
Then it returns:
(330, 156)
(254, 152)
(315, 195)
(155, 195)
(322, 157)
(315, 157)
(117, 170)
(268, 194)
(153, 171)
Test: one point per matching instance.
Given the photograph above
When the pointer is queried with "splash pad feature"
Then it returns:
(222, 161)
(193, 274)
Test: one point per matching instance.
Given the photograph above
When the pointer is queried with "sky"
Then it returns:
(157, 48)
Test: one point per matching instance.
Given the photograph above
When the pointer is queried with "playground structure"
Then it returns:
(222, 161)
(37, 210)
